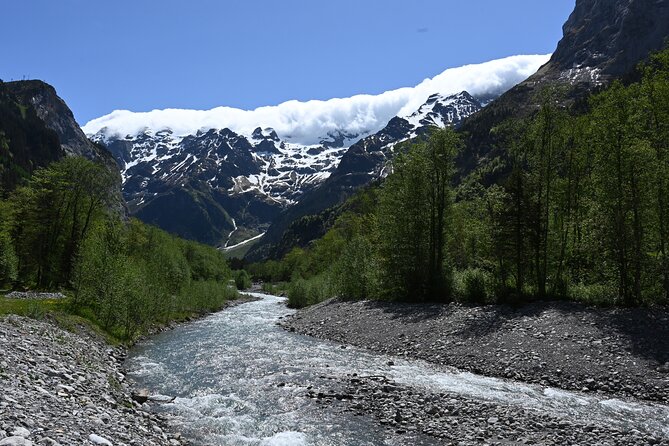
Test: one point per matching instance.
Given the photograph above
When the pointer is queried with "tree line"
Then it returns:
(581, 213)
(59, 231)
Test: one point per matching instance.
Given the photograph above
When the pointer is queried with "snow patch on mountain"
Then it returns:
(317, 122)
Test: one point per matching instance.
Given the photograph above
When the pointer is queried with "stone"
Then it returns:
(96, 439)
(15, 441)
(21, 432)
(141, 396)
(58, 387)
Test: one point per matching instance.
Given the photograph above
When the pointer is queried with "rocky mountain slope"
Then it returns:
(57, 116)
(26, 143)
(36, 128)
(222, 187)
(602, 40)
(364, 162)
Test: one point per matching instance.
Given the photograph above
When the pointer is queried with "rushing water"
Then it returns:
(228, 371)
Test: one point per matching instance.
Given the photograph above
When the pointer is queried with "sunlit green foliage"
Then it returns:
(132, 275)
(58, 232)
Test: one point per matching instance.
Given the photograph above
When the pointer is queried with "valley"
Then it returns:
(477, 257)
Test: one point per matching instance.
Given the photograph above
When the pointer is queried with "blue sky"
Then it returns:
(140, 55)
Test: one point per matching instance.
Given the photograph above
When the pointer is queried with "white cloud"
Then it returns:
(307, 122)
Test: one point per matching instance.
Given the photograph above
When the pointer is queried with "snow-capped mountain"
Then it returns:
(260, 164)
(236, 183)
(222, 176)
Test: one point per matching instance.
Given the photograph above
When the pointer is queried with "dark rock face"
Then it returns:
(338, 139)
(57, 116)
(603, 40)
(26, 143)
(612, 35)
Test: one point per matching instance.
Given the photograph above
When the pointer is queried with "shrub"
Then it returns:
(305, 292)
(472, 286)
(242, 280)
(297, 294)
(594, 294)
(204, 296)
(8, 260)
(277, 289)
(355, 271)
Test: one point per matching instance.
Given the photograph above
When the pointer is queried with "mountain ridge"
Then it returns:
(222, 187)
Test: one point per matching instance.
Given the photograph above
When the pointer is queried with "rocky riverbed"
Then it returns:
(457, 420)
(617, 352)
(65, 388)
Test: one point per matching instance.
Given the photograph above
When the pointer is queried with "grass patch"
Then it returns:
(202, 297)
(56, 310)
(35, 308)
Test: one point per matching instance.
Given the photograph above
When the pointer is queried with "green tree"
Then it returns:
(621, 167)
(54, 213)
(413, 216)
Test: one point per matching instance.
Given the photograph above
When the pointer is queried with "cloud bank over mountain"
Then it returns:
(308, 122)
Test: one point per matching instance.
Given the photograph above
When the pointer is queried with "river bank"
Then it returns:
(64, 388)
(616, 352)
(455, 419)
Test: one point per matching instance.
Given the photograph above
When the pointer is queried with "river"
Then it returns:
(239, 379)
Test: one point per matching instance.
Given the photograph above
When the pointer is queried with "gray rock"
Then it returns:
(15, 441)
(21, 432)
(63, 385)
(96, 439)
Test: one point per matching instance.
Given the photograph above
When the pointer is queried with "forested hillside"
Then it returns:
(581, 213)
(58, 232)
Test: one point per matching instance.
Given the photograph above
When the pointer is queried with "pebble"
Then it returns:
(462, 421)
(28, 295)
(621, 352)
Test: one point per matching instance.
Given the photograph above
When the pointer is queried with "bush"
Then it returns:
(8, 260)
(472, 286)
(594, 294)
(242, 280)
(205, 296)
(302, 292)
(355, 272)
(277, 289)
(128, 277)
(298, 294)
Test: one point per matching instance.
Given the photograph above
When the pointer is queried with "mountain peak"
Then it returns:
(443, 110)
